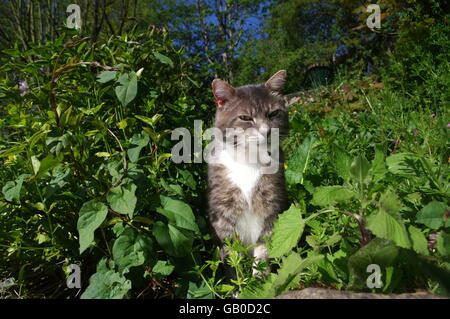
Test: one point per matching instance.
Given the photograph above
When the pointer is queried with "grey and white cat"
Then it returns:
(243, 198)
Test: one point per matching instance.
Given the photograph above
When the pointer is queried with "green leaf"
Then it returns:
(11, 190)
(13, 150)
(334, 239)
(178, 213)
(359, 169)
(432, 215)
(102, 154)
(163, 268)
(92, 214)
(163, 59)
(106, 284)
(127, 90)
(131, 249)
(122, 199)
(330, 195)
(404, 164)
(199, 291)
(150, 121)
(175, 241)
(106, 76)
(286, 277)
(378, 251)
(419, 242)
(47, 164)
(187, 178)
(343, 163)
(378, 169)
(443, 244)
(12, 52)
(291, 266)
(287, 231)
(387, 223)
(182, 240)
(299, 160)
(38, 135)
(36, 164)
(42, 238)
(139, 141)
(57, 144)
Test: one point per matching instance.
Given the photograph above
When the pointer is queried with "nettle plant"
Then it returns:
(396, 208)
(389, 232)
(87, 177)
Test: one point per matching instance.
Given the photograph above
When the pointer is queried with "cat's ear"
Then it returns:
(276, 83)
(222, 91)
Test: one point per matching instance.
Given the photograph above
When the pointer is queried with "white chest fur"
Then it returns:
(245, 177)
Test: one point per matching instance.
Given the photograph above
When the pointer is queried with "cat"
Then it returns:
(244, 197)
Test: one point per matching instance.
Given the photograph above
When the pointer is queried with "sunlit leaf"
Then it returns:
(286, 232)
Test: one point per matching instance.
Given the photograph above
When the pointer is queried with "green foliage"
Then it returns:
(432, 215)
(287, 276)
(387, 223)
(287, 231)
(127, 90)
(87, 178)
(330, 195)
(85, 154)
(106, 284)
(297, 165)
(131, 248)
(91, 216)
(122, 199)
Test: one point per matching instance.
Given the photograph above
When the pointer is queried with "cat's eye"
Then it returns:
(245, 118)
(274, 113)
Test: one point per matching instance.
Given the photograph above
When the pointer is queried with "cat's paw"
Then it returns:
(260, 274)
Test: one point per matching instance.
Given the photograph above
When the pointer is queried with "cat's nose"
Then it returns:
(264, 129)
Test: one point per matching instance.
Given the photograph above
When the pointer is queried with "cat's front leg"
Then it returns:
(260, 253)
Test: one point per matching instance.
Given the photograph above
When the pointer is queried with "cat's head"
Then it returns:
(256, 109)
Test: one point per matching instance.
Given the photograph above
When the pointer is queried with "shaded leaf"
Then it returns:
(131, 249)
(138, 142)
(432, 215)
(378, 169)
(403, 164)
(11, 190)
(378, 251)
(106, 76)
(359, 169)
(122, 199)
(443, 244)
(419, 241)
(92, 214)
(163, 59)
(175, 241)
(343, 163)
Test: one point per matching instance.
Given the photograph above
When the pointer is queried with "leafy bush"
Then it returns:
(86, 156)
(88, 180)
(368, 187)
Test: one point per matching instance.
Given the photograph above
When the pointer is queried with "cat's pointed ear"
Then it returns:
(276, 83)
(222, 91)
